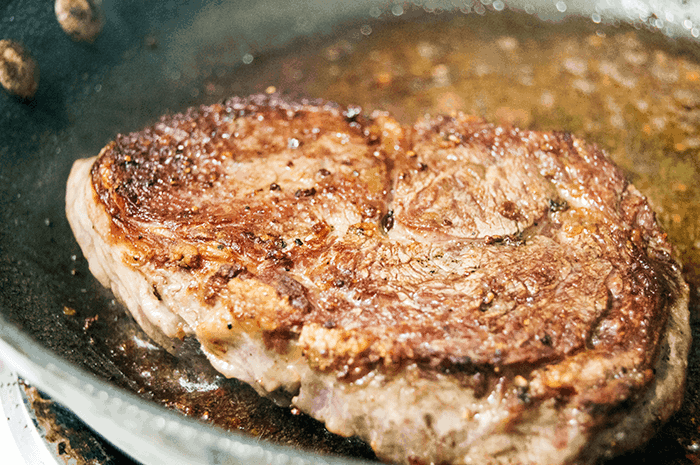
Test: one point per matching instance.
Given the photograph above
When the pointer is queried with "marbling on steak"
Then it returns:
(450, 292)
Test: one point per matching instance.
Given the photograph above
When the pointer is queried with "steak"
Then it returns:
(451, 292)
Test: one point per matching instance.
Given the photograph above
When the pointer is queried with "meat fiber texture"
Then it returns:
(450, 292)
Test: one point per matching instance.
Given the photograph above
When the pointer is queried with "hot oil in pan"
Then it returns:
(190, 385)
(634, 93)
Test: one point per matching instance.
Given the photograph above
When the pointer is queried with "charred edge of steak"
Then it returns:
(155, 166)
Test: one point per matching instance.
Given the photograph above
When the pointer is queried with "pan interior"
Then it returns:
(634, 92)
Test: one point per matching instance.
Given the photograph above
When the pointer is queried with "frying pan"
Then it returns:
(57, 325)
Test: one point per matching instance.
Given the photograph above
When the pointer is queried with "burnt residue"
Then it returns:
(71, 440)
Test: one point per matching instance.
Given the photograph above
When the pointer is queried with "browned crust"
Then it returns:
(549, 277)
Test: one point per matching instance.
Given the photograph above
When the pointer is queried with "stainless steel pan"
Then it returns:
(151, 58)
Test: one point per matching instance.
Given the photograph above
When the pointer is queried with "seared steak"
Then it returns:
(450, 292)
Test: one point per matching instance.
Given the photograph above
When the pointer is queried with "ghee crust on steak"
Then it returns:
(450, 292)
